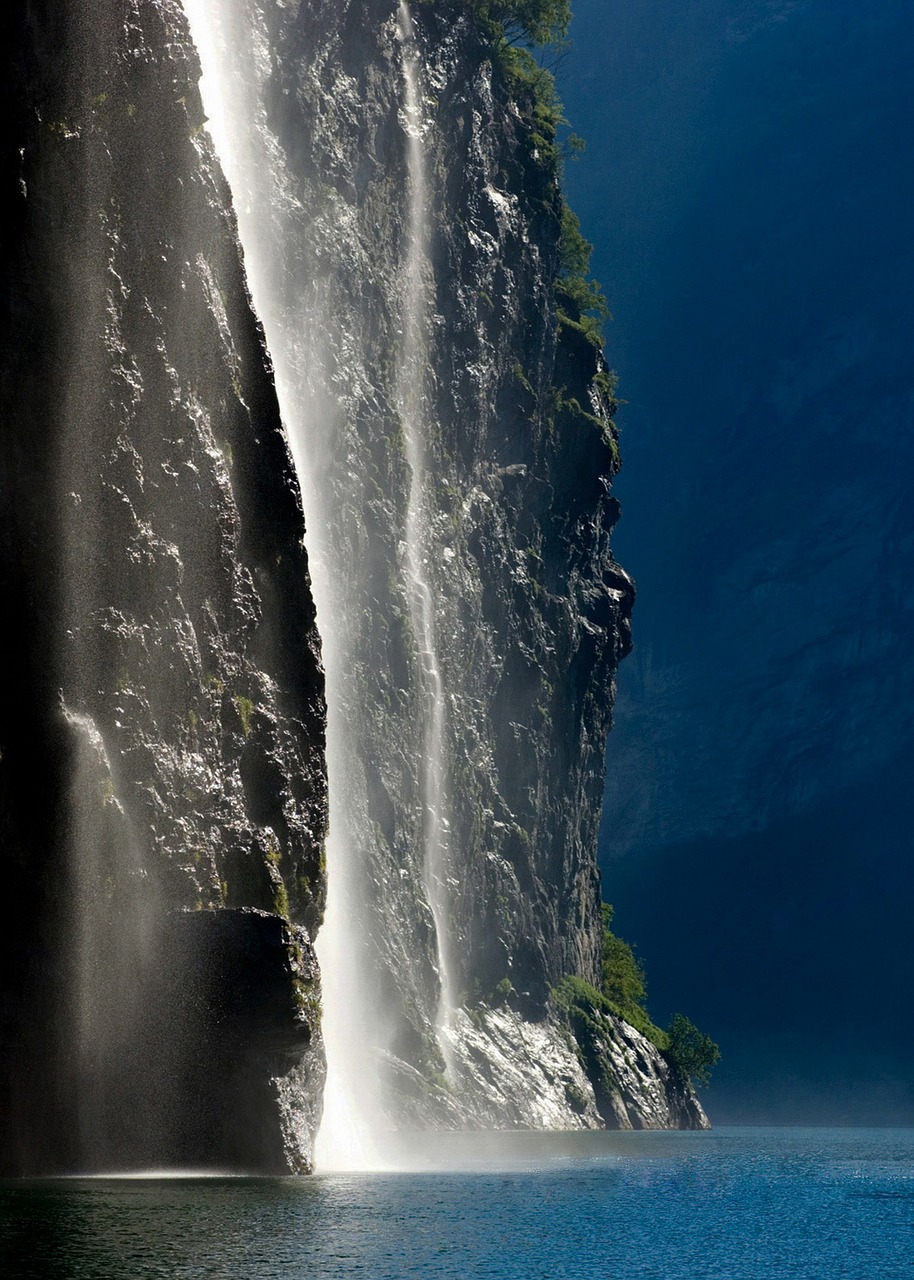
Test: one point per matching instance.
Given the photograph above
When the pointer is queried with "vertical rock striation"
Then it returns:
(162, 736)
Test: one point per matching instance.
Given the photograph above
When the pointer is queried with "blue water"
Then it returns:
(734, 1204)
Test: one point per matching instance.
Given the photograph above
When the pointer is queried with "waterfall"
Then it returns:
(412, 401)
(114, 946)
(372, 196)
(233, 48)
(378, 966)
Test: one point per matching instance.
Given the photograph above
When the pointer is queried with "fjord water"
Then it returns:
(732, 1204)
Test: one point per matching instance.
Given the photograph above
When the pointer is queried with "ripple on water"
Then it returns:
(727, 1205)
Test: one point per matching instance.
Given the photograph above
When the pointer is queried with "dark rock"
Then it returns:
(165, 703)
(243, 987)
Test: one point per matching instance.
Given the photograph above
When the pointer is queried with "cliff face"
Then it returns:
(767, 521)
(162, 738)
(455, 447)
(394, 199)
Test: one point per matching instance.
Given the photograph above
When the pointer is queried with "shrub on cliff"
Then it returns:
(691, 1050)
(624, 989)
(535, 22)
(623, 995)
(581, 1006)
(515, 27)
(580, 301)
(622, 976)
(623, 992)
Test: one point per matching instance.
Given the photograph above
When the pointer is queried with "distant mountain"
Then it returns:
(749, 187)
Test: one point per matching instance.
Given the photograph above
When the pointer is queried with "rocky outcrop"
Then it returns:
(162, 741)
(543, 1075)
(513, 1074)
(635, 1085)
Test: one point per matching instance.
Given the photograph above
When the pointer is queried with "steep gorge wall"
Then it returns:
(162, 736)
(170, 703)
(748, 188)
(531, 611)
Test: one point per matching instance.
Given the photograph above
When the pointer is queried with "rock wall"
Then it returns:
(531, 611)
(162, 741)
(635, 1086)
(168, 700)
(550, 1074)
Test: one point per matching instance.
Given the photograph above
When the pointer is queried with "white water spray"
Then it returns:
(412, 401)
(234, 54)
(297, 310)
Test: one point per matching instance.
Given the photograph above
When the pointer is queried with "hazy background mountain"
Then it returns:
(748, 186)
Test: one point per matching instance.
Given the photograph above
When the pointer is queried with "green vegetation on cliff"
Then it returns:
(622, 975)
(694, 1053)
(623, 994)
(516, 28)
(535, 22)
(580, 301)
(624, 984)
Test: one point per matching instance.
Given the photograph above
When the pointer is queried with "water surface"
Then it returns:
(733, 1204)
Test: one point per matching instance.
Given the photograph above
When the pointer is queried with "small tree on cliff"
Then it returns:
(622, 974)
(691, 1050)
(535, 22)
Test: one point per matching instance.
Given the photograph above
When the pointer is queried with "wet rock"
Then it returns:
(507, 1072)
(531, 611)
(243, 986)
(636, 1086)
(166, 703)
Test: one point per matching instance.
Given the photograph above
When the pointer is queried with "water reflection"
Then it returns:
(733, 1203)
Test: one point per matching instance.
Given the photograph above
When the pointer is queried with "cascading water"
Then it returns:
(285, 238)
(233, 45)
(114, 945)
(412, 402)
(232, 49)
